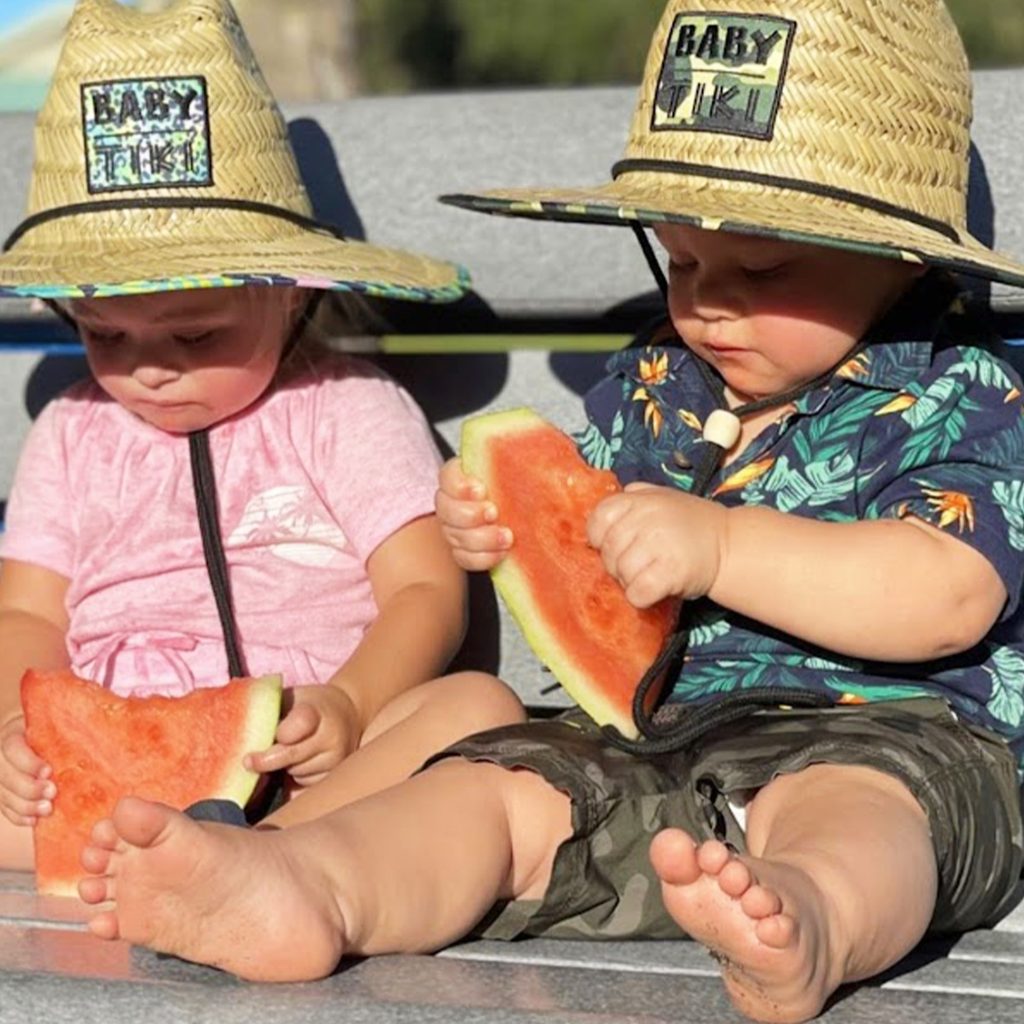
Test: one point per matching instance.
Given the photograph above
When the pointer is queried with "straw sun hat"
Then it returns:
(162, 163)
(835, 122)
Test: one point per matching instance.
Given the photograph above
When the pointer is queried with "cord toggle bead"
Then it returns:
(722, 428)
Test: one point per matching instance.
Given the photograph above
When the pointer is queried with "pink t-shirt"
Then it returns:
(310, 481)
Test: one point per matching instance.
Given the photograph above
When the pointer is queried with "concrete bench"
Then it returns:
(375, 167)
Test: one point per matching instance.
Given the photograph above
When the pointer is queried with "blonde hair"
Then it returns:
(327, 322)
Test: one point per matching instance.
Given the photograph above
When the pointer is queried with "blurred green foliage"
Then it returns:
(993, 30)
(436, 44)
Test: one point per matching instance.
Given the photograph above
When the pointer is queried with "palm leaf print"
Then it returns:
(830, 432)
(1006, 667)
(598, 450)
(934, 439)
(723, 677)
(702, 635)
(865, 694)
(822, 483)
(1009, 496)
(1007, 447)
(683, 479)
(978, 366)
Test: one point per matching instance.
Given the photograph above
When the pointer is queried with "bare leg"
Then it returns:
(409, 869)
(840, 883)
(413, 727)
(15, 847)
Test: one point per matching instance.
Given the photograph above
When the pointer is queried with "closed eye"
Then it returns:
(103, 337)
(193, 340)
(765, 273)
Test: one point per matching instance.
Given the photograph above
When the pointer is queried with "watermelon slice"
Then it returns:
(574, 615)
(101, 747)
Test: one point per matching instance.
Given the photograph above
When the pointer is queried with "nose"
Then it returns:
(154, 375)
(713, 294)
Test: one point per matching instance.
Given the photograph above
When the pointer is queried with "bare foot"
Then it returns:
(242, 901)
(765, 922)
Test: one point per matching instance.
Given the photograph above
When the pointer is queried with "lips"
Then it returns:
(164, 406)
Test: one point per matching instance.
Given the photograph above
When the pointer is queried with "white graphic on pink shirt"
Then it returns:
(290, 523)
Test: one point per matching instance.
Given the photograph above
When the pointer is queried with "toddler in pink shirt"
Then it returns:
(226, 496)
(311, 479)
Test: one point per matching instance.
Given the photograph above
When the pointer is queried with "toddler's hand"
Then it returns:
(316, 734)
(659, 542)
(26, 790)
(469, 521)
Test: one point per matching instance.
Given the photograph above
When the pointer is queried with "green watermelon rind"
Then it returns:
(261, 721)
(512, 585)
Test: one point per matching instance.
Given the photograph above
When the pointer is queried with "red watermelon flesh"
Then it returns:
(102, 747)
(573, 614)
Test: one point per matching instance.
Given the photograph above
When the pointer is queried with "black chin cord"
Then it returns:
(652, 259)
(213, 549)
(204, 485)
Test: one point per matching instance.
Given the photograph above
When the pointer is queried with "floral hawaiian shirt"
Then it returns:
(903, 428)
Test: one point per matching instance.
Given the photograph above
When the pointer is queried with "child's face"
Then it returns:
(183, 361)
(771, 315)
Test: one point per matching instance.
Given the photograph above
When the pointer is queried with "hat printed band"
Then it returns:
(171, 203)
(788, 184)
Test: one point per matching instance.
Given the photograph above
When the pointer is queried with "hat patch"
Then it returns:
(724, 73)
(147, 133)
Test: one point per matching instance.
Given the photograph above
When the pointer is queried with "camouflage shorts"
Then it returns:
(602, 884)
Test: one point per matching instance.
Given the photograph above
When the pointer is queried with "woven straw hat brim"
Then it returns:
(750, 209)
(237, 249)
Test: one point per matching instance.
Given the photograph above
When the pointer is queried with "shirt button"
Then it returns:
(681, 461)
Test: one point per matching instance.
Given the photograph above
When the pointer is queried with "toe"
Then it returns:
(104, 834)
(735, 879)
(104, 926)
(778, 931)
(97, 889)
(141, 822)
(712, 856)
(674, 857)
(96, 859)
(758, 902)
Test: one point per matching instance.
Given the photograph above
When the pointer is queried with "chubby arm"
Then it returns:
(33, 624)
(421, 621)
(421, 597)
(887, 590)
